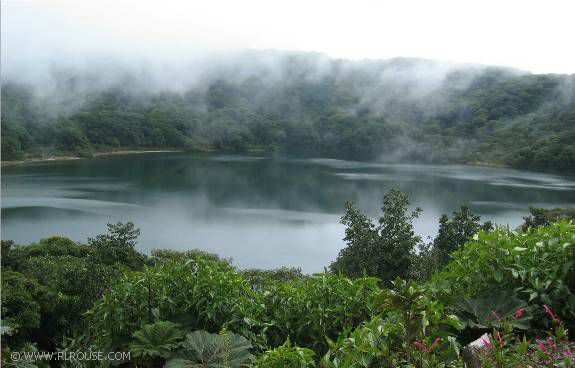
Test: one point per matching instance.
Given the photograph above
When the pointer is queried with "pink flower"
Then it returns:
(420, 346)
(487, 343)
(435, 342)
(550, 312)
(499, 339)
(543, 348)
(519, 312)
(550, 342)
(496, 315)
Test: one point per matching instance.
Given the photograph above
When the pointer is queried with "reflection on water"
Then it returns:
(262, 211)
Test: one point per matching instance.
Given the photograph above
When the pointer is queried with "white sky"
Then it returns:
(532, 35)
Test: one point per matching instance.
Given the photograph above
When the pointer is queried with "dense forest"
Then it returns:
(394, 110)
(388, 300)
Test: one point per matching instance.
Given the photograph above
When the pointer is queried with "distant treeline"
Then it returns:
(345, 109)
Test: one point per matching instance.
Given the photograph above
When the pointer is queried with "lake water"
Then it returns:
(262, 211)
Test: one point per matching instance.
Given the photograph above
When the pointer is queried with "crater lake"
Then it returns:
(262, 211)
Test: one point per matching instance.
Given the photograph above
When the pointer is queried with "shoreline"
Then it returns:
(489, 164)
(68, 157)
(133, 152)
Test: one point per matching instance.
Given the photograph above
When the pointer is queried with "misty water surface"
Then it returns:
(262, 211)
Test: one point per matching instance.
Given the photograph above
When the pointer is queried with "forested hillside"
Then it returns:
(395, 110)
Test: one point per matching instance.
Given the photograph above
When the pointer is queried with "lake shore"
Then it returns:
(135, 151)
(68, 157)
(488, 164)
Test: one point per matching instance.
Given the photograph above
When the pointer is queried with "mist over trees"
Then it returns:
(394, 110)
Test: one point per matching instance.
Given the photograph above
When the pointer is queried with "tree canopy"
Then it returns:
(307, 105)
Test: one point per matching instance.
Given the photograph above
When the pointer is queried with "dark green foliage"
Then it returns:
(23, 302)
(156, 340)
(209, 295)
(320, 306)
(259, 278)
(384, 250)
(69, 282)
(537, 264)
(66, 296)
(159, 255)
(201, 349)
(454, 232)
(286, 356)
(489, 311)
(15, 257)
(344, 109)
(201, 294)
(117, 246)
(11, 149)
(71, 276)
(543, 217)
(7, 246)
(411, 314)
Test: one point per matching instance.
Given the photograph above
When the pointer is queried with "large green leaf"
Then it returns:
(202, 349)
(156, 340)
(483, 312)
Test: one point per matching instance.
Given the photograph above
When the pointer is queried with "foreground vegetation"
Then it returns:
(388, 300)
(390, 109)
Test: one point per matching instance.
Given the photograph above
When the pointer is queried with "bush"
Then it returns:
(543, 217)
(454, 232)
(414, 330)
(200, 294)
(159, 255)
(321, 306)
(23, 301)
(537, 264)
(286, 356)
(157, 340)
(70, 280)
(202, 349)
(259, 278)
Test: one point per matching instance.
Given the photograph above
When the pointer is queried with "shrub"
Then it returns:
(286, 356)
(321, 306)
(537, 264)
(415, 329)
(259, 278)
(505, 348)
(543, 217)
(201, 349)
(200, 294)
(159, 255)
(157, 340)
(454, 232)
(23, 301)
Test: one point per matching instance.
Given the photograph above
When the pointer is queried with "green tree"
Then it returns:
(543, 217)
(117, 246)
(454, 232)
(384, 250)
(70, 279)
(24, 300)
(11, 149)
